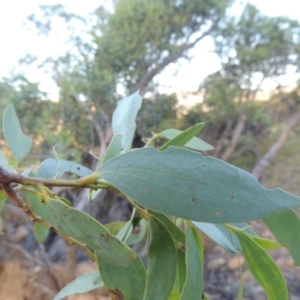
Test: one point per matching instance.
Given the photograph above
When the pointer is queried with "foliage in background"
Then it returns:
(174, 191)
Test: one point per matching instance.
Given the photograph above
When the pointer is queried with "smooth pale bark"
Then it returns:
(269, 156)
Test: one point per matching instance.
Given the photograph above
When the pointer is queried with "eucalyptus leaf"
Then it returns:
(40, 231)
(174, 295)
(176, 233)
(184, 137)
(82, 227)
(114, 148)
(126, 230)
(193, 286)
(285, 227)
(263, 268)
(123, 120)
(195, 143)
(135, 238)
(162, 255)
(4, 163)
(212, 231)
(126, 282)
(18, 142)
(115, 227)
(82, 284)
(49, 168)
(188, 185)
(181, 268)
(220, 234)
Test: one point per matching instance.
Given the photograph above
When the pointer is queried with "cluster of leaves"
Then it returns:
(175, 191)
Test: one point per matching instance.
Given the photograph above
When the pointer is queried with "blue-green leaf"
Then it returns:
(162, 256)
(113, 149)
(181, 268)
(135, 238)
(85, 229)
(18, 142)
(123, 120)
(183, 137)
(193, 286)
(126, 230)
(125, 282)
(188, 185)
(4, 163)
(195, 143)
(82, 284)
(41, 232)
(49, 168)
(176, 233)
(212, 231)
(263, 268)
(285, 227)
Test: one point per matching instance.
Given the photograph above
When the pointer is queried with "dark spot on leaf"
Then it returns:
(144, 191)
(78, 168)
(203, 165)
(231, 197)
(194, 199)
(218, 212)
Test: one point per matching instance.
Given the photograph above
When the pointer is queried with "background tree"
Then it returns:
(252, 49)
(125, 47)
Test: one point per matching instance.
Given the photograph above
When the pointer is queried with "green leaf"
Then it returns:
(49, 168)
(188, 185)
(18, 142)
(2, 203)
(114, 227)
(285, 227)
(181, 268)
(126, 282)
(162, 256)
(126, 230)
(4, 163)
(135, 238)
(113, 149)
(175, 231)
(266, 244)
(195, 143)
(174, 295)
(123, 120)
(220, 234)
(231, 235)
(263, 268)
(80, 226)
(193, 285)
(41, 232)
(212, 231)
(82, 284)
(183, 137)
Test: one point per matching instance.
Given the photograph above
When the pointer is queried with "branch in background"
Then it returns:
(245, 149)
(235, 136)
(97, 125)
(144, 81)
(269, 156)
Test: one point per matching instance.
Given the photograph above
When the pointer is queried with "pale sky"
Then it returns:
(16, 41)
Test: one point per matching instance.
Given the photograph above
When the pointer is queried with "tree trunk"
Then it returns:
(269, 156)
(235, 137)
